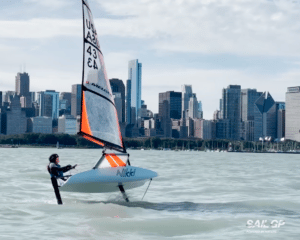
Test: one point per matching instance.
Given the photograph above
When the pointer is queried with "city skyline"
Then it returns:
(252, 44)
(234, 120)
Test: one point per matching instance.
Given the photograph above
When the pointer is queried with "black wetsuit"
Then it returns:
(56, 171)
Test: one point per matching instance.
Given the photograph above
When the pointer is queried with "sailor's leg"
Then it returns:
(123, 193)
(56, 190)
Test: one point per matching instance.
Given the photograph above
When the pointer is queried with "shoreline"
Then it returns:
(141, 149)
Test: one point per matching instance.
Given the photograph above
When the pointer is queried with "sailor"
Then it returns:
(56, 171)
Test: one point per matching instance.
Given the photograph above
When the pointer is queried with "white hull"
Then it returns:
(103, 180)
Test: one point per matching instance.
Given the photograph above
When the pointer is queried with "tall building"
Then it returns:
(32, 96)
(187, 93)
(0, 99)
(204, 129)
(280, 107)
(118, 104)
(173, 100)
(22, 88)
(48, 102)
(6, 97)
(65, 103)
(118, 86)
(22, 84)
(248, 98)
(13, 120)
(265, 117)
(169, 107)
(200, 110)
(223, 129)
(128, 102)
(292, 113)
(135, 75)
(231, 110)
(76, 100)
(193, 107)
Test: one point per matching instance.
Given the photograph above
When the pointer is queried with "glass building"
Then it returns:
(231, 110)
(48, 104)
(187, 93)
(76, 100)
(265, 117)
(292, 113)
(135, 75)
(248, 98)
(117, 86)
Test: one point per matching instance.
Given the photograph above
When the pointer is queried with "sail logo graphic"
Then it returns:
(126, 173)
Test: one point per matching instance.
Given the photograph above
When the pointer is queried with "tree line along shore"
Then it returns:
(76, 141)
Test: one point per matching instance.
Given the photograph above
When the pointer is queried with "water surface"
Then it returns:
(198, 195)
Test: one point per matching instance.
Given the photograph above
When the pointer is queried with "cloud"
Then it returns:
(7, 82)
(236, 27)
(225, 26)
(115, 63)
(54, 4)
(40, 28)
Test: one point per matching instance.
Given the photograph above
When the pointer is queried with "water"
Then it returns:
(197, 195)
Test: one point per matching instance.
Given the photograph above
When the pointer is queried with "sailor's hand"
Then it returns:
(69, 167)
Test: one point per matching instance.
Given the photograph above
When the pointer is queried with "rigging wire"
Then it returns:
(147, 189)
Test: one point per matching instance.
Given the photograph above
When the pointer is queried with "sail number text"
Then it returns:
(92, 52)
(91, 61)
(91, 33)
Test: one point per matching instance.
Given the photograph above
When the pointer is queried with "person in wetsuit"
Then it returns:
(56, 171)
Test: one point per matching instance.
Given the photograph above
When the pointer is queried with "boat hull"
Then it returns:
(103, 180)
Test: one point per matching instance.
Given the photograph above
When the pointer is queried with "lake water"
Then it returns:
(197, 195)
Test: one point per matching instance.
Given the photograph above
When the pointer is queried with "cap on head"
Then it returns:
(53, 158)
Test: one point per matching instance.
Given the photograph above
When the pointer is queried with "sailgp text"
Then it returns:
(126, 173)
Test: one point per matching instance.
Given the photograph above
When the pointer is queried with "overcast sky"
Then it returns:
(208, 44)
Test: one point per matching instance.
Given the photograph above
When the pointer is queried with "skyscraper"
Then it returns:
(48, 104)
(13, 119)
(193, 107)
(22, 84)
(248, 98)
(128, 101)
(173, 100)
(65, 99)
(200, 109)
(135, 75)
(292, 113)
(117, 86)
(76, 100)
(280, 108)
(118, 104)
(22, 88)
(265, 117)
(187, 93)
(169, 107)
(231, 110)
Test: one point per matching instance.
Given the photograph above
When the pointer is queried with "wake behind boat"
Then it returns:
(99, 124)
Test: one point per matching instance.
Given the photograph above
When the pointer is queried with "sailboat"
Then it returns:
(99, 124)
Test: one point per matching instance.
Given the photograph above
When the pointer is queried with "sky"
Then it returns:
(208, 44)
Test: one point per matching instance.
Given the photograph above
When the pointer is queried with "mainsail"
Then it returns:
(99, 120)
